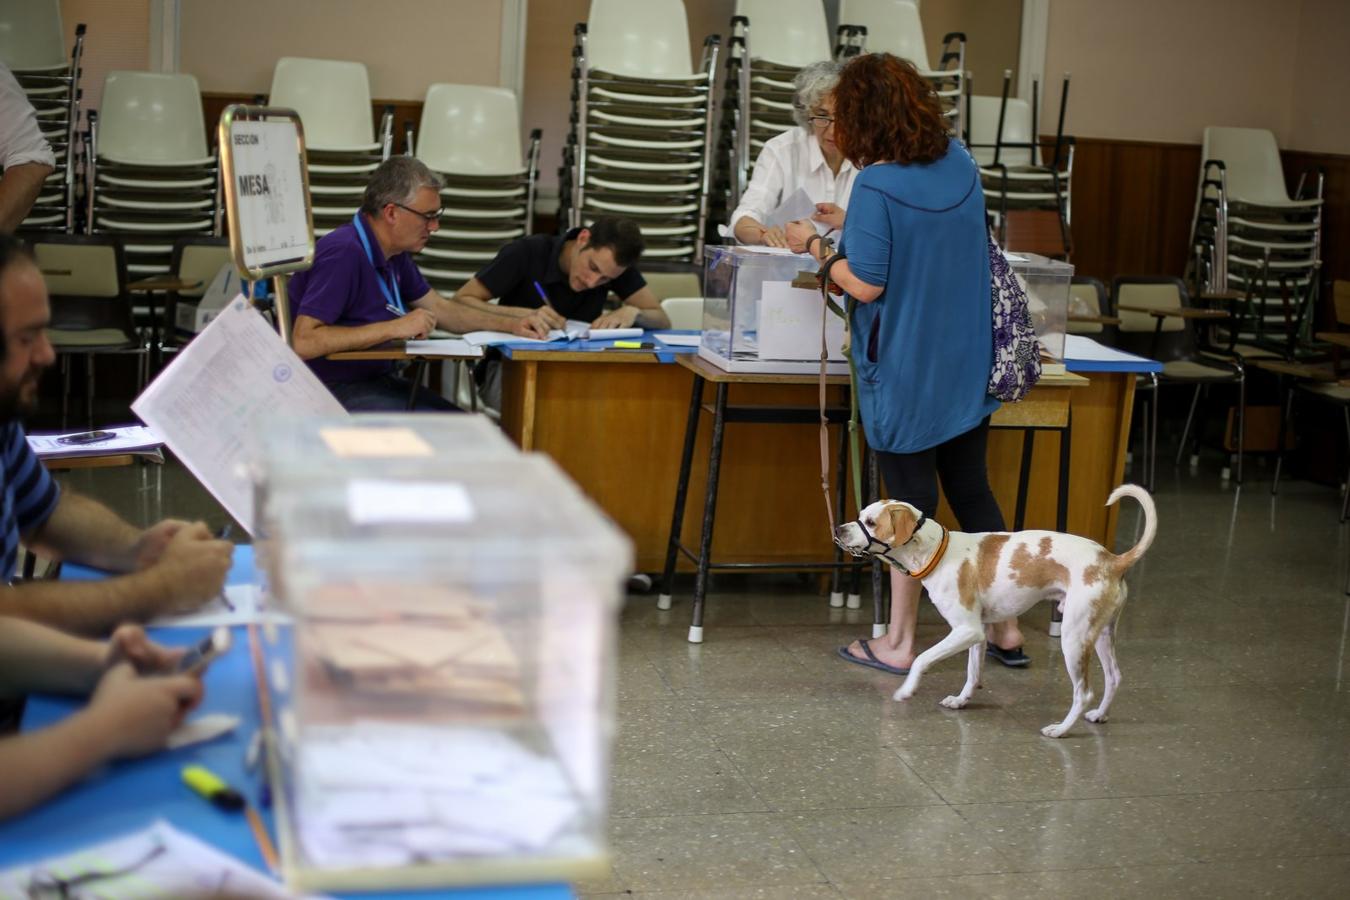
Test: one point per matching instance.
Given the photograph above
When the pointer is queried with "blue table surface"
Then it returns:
(665, 353)
(128, 795)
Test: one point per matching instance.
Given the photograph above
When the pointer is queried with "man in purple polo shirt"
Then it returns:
(364, 290)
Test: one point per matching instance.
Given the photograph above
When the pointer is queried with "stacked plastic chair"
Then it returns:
(470, 136)
(32, 45)
(771, 40)
(150, 178)
(894, 26)
(1249, 236)
(641, 134)
(342, 149)
(1015, 170)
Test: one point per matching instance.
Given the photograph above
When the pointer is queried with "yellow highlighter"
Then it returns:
(633, 345)
(211, 786)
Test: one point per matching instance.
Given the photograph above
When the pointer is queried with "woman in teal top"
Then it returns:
(917, 260)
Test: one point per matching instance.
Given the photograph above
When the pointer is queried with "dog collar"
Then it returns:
(937, 556)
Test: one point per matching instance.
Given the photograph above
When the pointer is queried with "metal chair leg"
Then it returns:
(89, 390)
(1181, 446)
(1345, 503)
(1286, 420)
(1241, 424)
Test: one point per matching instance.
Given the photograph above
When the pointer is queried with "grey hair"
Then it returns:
(811, 84)
(397, 180)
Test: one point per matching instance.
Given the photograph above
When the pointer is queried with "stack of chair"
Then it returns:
(641, 134)
(32, 45)
(894, 26)
(150, 177)
(771, 41)
(1249, 236)
(1014, 170)
(470, 136)
(341, 147)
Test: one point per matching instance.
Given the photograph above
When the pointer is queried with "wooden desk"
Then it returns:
(614, 421)
(397, 351)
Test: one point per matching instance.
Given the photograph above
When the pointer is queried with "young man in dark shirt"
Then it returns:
(576, 271)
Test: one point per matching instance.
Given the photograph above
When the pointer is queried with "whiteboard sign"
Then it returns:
(267, 194)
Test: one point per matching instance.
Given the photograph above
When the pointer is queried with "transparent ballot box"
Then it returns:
(755, 321)
(441, 701)
(1046, 282)
(335, 447)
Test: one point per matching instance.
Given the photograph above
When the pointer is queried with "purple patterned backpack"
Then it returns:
(1017, 353)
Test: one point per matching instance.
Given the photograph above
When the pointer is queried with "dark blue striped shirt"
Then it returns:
(28, 495)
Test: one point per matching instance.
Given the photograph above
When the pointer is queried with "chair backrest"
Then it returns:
(673, 284)
(332, 97)
(684, 312)
(470, 130)
(1252, 160)
(984, 113)
(1340, 293)
(31, 36)
(151, 118)
(1088, 297)
(642, 40)
(199, 258)
(1138, 332)
(788, 32)
(893, 26)
(79, 265)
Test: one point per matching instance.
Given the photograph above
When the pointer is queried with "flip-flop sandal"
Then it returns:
(871, 662)
(1013, 659)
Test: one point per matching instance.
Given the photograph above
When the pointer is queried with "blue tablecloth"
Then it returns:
(128, 795)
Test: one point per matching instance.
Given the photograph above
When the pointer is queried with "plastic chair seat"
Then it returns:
(127, 225)
(85, 340)
(640, 209)
(333, 99)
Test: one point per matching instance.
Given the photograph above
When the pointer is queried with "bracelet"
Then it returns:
(814, 237)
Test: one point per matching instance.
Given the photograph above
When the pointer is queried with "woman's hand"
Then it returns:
(129, 644)
(798, 233)
(831, 214)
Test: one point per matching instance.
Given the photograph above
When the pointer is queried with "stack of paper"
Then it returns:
(106, 442)
(374, 794)
(573, 331)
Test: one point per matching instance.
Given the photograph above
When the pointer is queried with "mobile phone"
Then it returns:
(88, 437)
(200, 654)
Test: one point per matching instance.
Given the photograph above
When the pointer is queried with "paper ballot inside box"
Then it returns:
(789, 324)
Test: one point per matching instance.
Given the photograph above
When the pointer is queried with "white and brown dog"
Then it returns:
(975, 579)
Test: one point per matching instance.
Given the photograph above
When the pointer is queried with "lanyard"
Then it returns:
(392, 299)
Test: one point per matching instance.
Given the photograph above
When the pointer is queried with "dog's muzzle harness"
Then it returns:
(873, 543)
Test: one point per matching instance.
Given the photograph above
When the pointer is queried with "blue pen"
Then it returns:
(539, 289)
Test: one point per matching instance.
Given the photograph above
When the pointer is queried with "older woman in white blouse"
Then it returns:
(805, 158)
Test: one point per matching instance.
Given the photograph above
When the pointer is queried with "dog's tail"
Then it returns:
(1131, 556)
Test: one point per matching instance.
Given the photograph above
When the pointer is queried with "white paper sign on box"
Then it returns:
(789, 324)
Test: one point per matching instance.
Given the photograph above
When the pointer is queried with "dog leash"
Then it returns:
(821, 279)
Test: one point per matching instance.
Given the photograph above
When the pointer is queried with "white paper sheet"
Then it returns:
(1083, 348)
(493, 338)
(166, 864)
(790, 321)
(796, 205)
(126, 439)
(680, 340)
(207, 402)
(443, 347)
(371, 501)
(239, 604)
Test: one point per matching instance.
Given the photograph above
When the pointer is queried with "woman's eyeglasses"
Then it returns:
(821, 121)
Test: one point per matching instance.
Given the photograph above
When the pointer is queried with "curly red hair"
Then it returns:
(885, 111)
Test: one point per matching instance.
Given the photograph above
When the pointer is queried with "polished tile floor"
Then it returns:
(759, 765)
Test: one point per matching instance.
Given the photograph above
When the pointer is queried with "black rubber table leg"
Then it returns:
(415, 381)
(664, 599)
(709, 515)
(881, 613)
(840, 498)
(1024, 480)
(1062, 504)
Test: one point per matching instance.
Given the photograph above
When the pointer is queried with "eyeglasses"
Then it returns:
(432, 216)
(821, 121)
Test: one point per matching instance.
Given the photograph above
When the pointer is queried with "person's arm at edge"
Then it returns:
(461, 317)
(19, 188)
(311, 338)
(83, 530)
(640, 309)
(800, 232)
(39, 658)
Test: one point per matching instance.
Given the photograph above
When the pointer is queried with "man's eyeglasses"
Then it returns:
(821, 121)
(433, 216)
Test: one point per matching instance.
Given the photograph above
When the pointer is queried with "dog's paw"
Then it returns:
(1054, 731)
(902, 694)
(1095, 715)
(954, 702)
